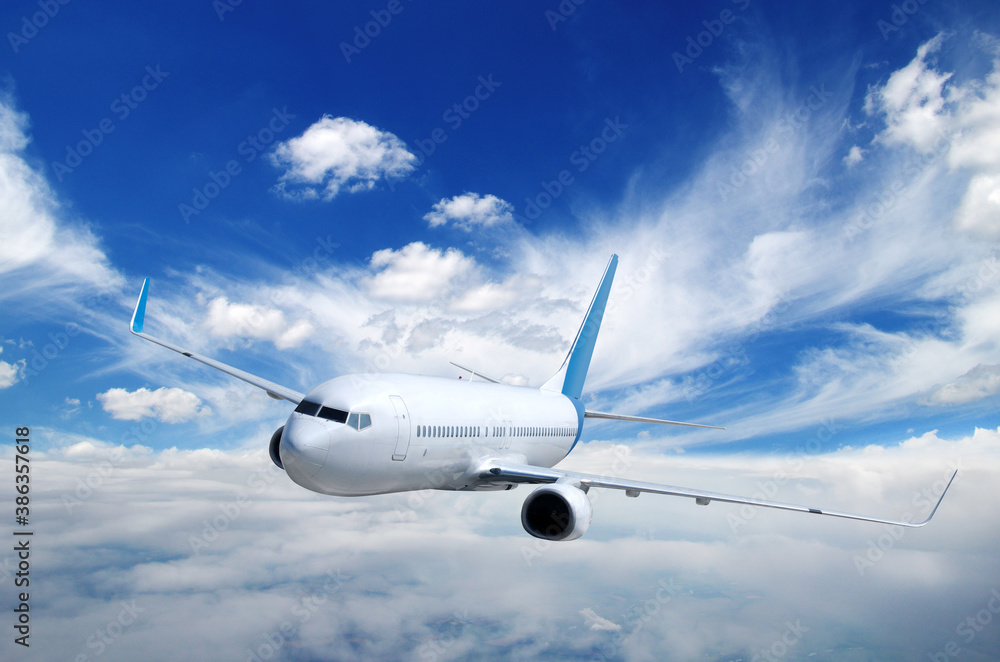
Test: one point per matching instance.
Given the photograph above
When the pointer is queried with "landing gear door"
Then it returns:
(402, 428)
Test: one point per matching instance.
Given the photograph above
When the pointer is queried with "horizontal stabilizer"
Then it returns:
(475, 373)
(643, 419)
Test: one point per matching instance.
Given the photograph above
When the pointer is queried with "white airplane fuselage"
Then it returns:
(424, 433)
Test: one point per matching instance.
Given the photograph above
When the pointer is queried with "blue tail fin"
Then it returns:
(570, 377)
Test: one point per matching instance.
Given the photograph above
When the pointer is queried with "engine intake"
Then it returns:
(275, 444)
(557, 512)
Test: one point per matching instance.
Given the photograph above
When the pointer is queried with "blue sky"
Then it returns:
(804, 199)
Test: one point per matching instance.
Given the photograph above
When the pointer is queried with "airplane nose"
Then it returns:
(304, 446)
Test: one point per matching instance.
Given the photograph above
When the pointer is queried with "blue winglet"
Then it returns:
(571, 376)
(140, 308)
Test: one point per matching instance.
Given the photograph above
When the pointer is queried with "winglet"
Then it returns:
(573, 372)
(940, 499)
(139, 314)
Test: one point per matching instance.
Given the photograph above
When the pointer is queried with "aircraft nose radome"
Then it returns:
(304, 446)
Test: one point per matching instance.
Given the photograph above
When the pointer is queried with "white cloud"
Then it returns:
(470, 210)
(854, 156)
(41, 249)
(10, 373)
(339, 153)
(913, 102)
(599, 623)
(228, 320)
(979, 211)
(169, 405)
(930, 111)
(222, 546)
(980, 382)
(418, 272)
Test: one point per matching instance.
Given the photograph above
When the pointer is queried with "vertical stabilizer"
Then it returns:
(569, 380)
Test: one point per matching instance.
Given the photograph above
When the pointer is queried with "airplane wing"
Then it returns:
(276, 391)
(521, 473)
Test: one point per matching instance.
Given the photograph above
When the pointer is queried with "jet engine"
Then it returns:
(274, 445)
(557, 512)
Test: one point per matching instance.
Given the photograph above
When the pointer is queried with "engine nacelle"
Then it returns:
(275, 444)
(557, 512)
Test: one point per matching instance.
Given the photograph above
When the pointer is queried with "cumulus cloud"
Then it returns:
(418, 272)
(169, 405)
(470, 210)
(854, 156)
(930, 111)
(913, 102)
(980, 382)
(229, 320)
(338, 153)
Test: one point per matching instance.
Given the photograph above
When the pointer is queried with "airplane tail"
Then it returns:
(573, 372)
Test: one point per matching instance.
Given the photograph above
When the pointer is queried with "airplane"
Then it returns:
(365, 434)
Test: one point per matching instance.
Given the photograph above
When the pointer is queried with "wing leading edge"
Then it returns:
(520, 473)
(276, 391)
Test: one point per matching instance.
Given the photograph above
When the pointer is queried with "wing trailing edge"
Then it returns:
(519, 473)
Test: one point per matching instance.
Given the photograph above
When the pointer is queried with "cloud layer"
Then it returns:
(134, 546)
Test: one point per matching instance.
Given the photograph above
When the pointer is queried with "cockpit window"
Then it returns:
(308, 408)
(335, 415)
(359, 421)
